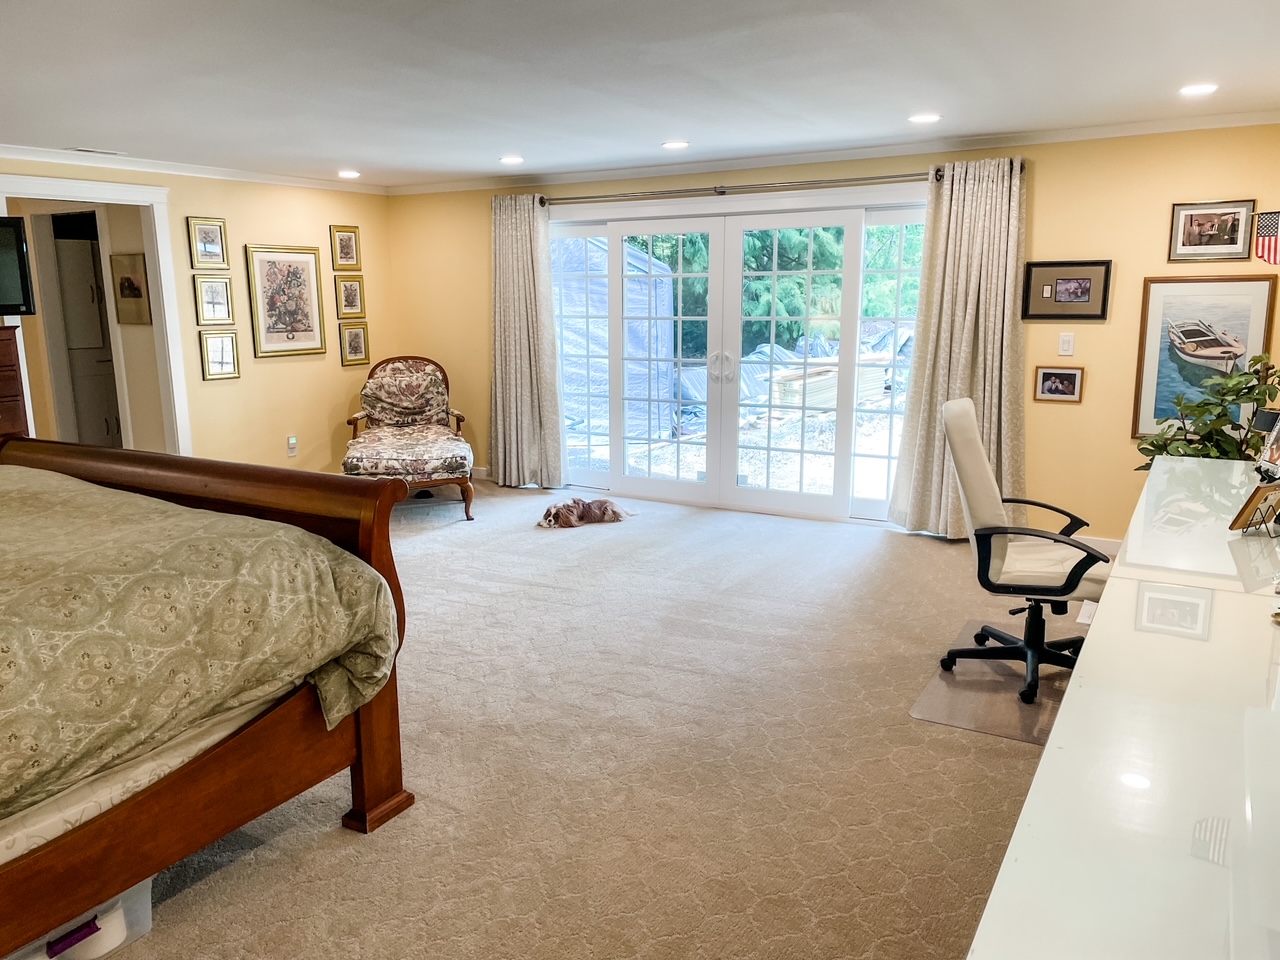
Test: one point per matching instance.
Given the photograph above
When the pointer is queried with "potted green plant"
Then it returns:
(1208, 427)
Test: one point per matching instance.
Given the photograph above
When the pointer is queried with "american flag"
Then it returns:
(1265, 246)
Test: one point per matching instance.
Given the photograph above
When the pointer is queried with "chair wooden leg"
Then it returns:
(468, 493)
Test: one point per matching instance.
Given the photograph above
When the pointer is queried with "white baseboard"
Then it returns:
(479, 473)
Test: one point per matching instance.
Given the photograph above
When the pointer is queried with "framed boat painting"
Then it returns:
(1195, 328)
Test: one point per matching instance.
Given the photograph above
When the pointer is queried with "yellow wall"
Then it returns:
(428, 281)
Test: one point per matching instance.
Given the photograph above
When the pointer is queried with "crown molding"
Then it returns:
(881, 151)
(105, 162)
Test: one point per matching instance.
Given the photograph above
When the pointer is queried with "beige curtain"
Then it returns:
(525, 437)
(968, 340)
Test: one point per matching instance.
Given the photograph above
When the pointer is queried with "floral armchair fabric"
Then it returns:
(407, 432)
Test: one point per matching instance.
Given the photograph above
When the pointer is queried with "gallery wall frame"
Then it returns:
(1193, 328)
(349, 291)
(353, 337)
(213, 299)
(1066, 290)
(208, 239)
(219, 355)
(1218, 230)
(129, 285)
(345, 241)
(284, 298)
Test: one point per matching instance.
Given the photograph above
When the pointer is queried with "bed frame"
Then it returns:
(269, 760)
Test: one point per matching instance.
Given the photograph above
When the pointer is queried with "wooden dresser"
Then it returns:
(13, 408)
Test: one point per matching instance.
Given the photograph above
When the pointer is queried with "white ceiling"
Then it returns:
(433, 92)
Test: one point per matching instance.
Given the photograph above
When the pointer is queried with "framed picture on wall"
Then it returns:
(346, 247)
(354, 337)
(1066, 290)
(129, 283)
(1211, 231)
(213, 300)
(350, 292)
(208, 243)
(219, 358)
(1059, 383)
(1194, 328)
(284, 297)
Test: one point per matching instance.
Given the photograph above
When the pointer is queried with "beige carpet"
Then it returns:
(682, 736)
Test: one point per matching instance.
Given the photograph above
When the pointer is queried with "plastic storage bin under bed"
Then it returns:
(97, 933)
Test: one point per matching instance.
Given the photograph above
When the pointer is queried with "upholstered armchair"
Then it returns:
(410, 431)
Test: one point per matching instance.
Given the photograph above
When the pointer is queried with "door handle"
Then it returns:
(729, 370)
(713, 366)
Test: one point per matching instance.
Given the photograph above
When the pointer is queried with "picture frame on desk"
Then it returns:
(1191, 329)
(1174, 610)
(1259, 507)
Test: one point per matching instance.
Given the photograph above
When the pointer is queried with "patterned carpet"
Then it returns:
(682, 736)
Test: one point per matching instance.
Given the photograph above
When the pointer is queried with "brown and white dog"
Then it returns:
(576, 512)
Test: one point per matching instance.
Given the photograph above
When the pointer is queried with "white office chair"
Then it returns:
(1040, 566)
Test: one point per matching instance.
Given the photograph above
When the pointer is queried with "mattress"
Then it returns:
(50, 818)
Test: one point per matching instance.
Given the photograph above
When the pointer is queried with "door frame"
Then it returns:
(161, 278)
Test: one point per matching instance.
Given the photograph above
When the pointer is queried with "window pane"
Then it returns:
(793, 249)
(693, 340)
(871, 433)
(695, 256)
(631, 263)
(757, 296)
(870, 478)
(666, 250)
(910, 290)
(819, 474)
(757, 250)
(693, 297)
(880, 251)
(879, 294)
(791, 296)
(784, 472)
(828, 248)
(913, 246)
(824, 301)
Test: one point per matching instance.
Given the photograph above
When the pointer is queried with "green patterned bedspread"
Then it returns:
(124, 620)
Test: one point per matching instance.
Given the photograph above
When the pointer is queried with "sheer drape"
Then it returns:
(526, 444)
(968, 339)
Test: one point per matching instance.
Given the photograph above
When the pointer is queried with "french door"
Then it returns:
(701, 359)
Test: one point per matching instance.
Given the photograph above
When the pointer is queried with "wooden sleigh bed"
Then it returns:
(269, 760)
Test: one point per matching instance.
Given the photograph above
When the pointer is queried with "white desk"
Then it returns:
(1152, 827)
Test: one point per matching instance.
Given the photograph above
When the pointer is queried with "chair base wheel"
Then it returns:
(947, 663)
(980, 639)
(1028, 694)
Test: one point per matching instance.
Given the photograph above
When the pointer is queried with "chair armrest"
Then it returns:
(1076, 523)
(353, 422)
(982, 541)
(459, 417)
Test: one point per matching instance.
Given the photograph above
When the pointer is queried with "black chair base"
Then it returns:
(1031, 647)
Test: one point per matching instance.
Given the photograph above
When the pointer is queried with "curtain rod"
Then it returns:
(740, 188)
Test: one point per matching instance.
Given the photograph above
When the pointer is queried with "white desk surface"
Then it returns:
(1152, 827)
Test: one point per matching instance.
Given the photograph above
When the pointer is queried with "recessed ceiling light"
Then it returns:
(1135, 780)
(925, 118)
(512, 160)
(675, 144)
(348, 174)
(1198, 89)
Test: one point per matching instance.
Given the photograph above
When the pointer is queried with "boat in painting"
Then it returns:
(1204, 345)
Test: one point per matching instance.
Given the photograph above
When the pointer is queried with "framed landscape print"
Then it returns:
(208, 243)
(1194, 328)
(354, 337)
(284, 296)
(1066, 290)
(219, 358)
(1211, 231)
(1059, 383)
(213, 300)
(346, 247)
(350, 292)
(129, 283)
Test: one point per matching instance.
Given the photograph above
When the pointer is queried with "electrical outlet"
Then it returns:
(1066, 344)
(293, 445)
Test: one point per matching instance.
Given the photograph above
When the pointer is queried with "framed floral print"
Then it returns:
(354, 338)
(284, 296)
(350, 291)
(219, 358)
(346, 247)
(213, 300)
(208, 243)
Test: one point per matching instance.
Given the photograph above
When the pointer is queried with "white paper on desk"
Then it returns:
(1087, 608)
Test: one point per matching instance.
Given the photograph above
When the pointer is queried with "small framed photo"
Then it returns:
(350, 294)
(129, 283)
(1259, 507)
(213, 300)
(354, 337)
(1211, 231)
(346, 247)
(284, 297)
(1059, 383)
(208, 243)
(1269, 457)
(1066, 290)
(219, 358)
(1176, 610)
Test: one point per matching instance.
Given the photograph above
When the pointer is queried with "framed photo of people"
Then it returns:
(1059, 383)
(1211, 231)
(284, 297)
(1192, 329)
(1066, 290)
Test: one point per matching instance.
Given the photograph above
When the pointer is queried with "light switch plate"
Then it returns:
(293, 446)
(1066, 344)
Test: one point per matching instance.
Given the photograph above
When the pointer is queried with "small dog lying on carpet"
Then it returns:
(576, 512)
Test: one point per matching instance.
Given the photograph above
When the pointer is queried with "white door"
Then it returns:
(93, 380)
